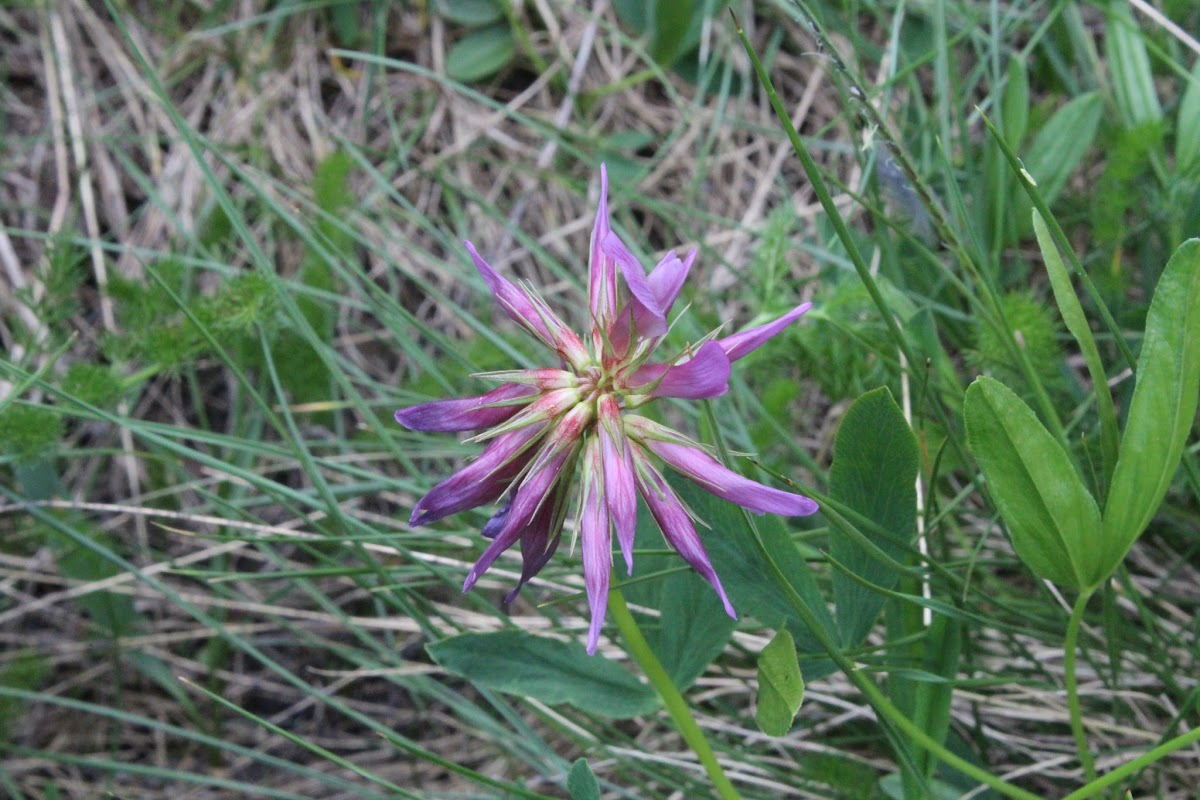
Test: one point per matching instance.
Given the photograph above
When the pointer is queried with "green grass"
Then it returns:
(207, 582)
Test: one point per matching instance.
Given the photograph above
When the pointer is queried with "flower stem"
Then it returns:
(677, 707)
(1070, 646)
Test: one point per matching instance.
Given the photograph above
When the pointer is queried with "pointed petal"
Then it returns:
(665, 281)
(667, 278)
(653, 320)
(596, 538)
(619, 489)
(704, 375)
(482, 481)
(466, 413)
(531, 495)
(531, 313)
(711, 475)
(740, 344)
(676, 525)
(541, 536)
(602, 270)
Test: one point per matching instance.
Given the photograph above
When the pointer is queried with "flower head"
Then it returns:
(545, 426)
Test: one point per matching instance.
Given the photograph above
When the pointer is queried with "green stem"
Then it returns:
(1070, 646)
(677, 707)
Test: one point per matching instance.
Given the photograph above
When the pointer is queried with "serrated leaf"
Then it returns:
(1163, 408)
(874, 471)
(581, 782)
(480, 54)
(1053, 520)
(549, 670)
(780, 685)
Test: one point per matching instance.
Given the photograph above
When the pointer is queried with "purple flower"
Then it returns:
(543, 426)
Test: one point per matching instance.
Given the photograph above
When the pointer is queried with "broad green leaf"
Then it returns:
(1053, 520)
(874, 471)
(746, 576)
(1163, 408)
(581, 782)
(1132, 79)
(1187, 126)
(674, 23)
(480, 53)
(1077, 324)
(472, 13)
(549, 670)
(780, 685)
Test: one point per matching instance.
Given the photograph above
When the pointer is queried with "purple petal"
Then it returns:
(602, 271)
(495, 523)
(596, 538)
(665, 281)
(618, 476)
(528, 312)
(541, 536)
(739, 344)
(533, 493)
(667, 278)
(465, 413)
(653, 320)
(700, 467)
(676, 525)
(482, 481)
(704, 375)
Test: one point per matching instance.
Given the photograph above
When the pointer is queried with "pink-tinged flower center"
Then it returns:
(543, 426)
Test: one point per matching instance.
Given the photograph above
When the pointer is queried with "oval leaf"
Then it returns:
(1163, 406)
(549, 670)
(1052, 518)
(480, 54)
(581, 782)
(472, 13)
(780, 685)
(874, 472)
